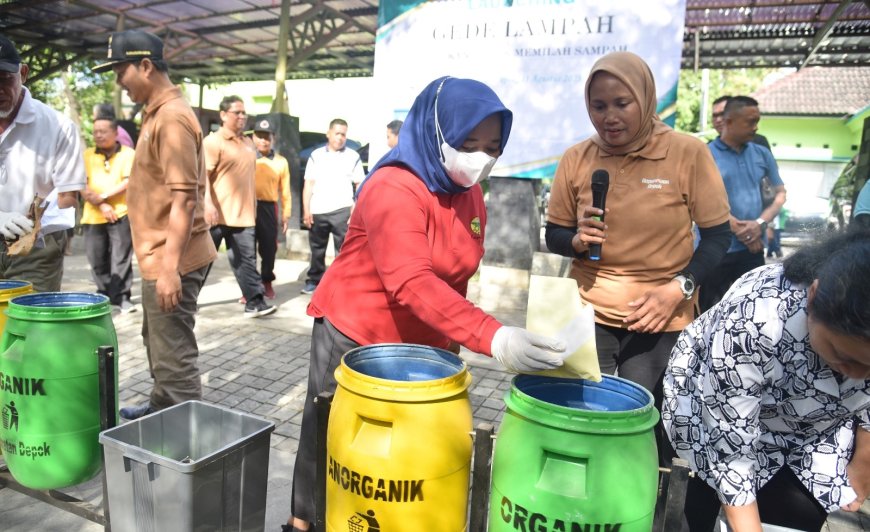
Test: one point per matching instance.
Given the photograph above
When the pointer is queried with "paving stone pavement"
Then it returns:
(257, 366)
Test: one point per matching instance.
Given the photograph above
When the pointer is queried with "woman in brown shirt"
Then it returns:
(643, 287)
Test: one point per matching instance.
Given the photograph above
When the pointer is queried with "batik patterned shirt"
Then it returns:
(745, 395)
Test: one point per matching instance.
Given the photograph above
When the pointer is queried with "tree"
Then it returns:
(721, 82)
(74, 92)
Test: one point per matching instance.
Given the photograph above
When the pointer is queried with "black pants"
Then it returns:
(723, 276)
(109, 248)
(640, 358)
(328, 345)
(266, 236)
(242, 257)
(783, 501)
(334, 222)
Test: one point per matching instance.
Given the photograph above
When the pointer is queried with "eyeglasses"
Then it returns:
(718, 115)
(238, 113)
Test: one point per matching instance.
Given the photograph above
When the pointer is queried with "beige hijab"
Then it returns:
(636, 75)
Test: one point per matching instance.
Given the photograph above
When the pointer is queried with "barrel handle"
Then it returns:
(149, 467)
(15, 351)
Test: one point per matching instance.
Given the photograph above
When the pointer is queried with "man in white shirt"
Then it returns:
(331, 177)
(40, 155)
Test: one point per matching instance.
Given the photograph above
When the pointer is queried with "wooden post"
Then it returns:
(279, 104)
(480, 477)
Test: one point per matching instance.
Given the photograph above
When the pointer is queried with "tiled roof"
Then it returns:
(817, 91)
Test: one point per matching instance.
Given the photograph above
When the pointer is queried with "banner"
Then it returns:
(535, 54)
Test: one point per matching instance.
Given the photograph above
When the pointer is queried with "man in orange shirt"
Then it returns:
(165, 199)
(272, 179)
(231, 201)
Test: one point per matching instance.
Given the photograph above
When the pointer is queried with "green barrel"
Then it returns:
(49, 386)
(575, 455)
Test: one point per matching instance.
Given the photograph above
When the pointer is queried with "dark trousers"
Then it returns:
(328, 345)
(723, 276)
(42, 267)
(109, 248)
(642, 359)
(242, 256)
(170, 343)
(334, 222)
(783, 501)
(266, 236)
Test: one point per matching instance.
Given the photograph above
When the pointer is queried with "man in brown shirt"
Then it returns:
(231, 201)
(165, 199)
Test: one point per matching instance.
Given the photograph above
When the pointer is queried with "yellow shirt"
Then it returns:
(103, 176)
(272, 178)
(655, 194)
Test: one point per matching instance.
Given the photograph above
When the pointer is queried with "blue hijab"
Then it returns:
(462, 105)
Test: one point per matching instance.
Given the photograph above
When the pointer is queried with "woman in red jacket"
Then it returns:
(414, 240)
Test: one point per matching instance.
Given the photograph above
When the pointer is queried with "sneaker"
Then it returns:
(268, 291)
(135, 412)
(258, 307)
(127, 306)
(308, 288)
(243, 300)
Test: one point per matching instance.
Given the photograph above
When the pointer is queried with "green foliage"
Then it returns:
(78, 89)
(735, 82)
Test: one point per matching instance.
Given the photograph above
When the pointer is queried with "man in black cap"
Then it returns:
(272, 180)
(42, 157)
(165, 198)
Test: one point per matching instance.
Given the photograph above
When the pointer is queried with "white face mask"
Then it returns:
(465, 169)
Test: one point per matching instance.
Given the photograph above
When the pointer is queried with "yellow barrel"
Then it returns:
(8, 290)
(399, 441)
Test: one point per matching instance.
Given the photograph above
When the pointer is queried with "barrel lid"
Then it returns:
(10, 288)
(403, 372)
(614, 405)
(52, 306)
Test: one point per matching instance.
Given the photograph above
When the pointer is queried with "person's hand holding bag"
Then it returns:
(519, 350)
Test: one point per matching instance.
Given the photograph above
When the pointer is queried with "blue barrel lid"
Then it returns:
(614, 405)
(53, 306)
(10, 288)
(403, 372)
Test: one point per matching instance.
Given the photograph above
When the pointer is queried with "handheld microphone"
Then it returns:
(600, 184)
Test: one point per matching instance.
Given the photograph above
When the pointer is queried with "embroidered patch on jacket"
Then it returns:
(475, 226)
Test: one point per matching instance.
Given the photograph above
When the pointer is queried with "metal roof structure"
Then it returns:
(214, 41)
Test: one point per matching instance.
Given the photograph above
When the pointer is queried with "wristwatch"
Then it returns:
(687, 284)
(763, 223)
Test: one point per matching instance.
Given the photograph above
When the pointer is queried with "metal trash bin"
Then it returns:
(194, 466)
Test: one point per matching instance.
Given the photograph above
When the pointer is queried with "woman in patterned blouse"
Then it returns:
(775, 375)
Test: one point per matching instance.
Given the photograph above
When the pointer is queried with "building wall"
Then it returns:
(810, 138)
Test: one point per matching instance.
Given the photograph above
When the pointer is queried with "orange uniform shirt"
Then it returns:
(168, 157)
(229, 162)
(272, 179)
(655, 194)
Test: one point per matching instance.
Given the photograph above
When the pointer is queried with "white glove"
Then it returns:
(13, 225)
(519, 350)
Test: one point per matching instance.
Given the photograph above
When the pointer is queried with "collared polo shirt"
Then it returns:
(103, 175)
(39, 152)
(230, 160)
(742, 172)
(168, 157)
(272, 179)
(655, 194)
(334, 174)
